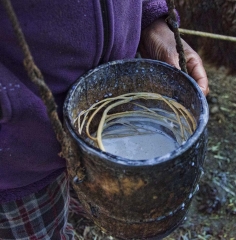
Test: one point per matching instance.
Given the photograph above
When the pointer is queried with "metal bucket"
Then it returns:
(138, 199)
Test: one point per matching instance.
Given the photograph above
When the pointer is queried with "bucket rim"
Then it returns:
(201, 124)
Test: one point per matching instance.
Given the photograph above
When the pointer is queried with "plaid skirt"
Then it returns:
(42, 215)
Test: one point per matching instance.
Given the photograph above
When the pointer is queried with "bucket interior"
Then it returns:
(132, 76)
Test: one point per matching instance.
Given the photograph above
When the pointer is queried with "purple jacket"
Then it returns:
(66, 38)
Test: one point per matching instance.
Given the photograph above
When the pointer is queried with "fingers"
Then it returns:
(193, 63)
(196, 70)
(158, 42)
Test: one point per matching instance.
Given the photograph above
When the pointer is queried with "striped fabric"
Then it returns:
(42, 215)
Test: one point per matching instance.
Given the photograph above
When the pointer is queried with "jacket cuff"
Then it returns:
(152, 10)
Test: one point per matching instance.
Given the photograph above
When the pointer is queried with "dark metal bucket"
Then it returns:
(137, 199)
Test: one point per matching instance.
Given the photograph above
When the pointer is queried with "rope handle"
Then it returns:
(172, 21)
(36, 77)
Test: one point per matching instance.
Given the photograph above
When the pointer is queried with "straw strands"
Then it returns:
(85, 117)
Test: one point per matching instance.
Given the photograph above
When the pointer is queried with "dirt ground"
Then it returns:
(212, 214)
(213, 211)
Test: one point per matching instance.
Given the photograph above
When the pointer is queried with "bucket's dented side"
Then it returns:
(137, 199)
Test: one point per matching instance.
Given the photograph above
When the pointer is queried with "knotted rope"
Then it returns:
(37, 78)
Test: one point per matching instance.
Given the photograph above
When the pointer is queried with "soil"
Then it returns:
(212, 214)
(213, 211)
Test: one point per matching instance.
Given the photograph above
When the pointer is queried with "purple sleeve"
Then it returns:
(152, 10)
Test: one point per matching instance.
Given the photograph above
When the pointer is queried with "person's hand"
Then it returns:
(158, 42)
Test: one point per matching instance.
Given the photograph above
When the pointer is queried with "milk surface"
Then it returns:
(142, 146)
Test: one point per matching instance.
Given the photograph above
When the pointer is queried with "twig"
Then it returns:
(209, 35)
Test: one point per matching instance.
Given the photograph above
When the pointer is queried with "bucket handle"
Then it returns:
(36, 77)
(173, 24)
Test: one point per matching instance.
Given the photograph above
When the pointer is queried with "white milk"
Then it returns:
(139, 138)
(143, 146)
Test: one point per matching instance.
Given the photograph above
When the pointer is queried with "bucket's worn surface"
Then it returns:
(137, 199)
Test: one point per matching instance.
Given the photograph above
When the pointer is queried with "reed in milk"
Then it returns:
(137, 132)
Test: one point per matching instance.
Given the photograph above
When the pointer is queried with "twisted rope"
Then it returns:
(172, 21)
(37, 78)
